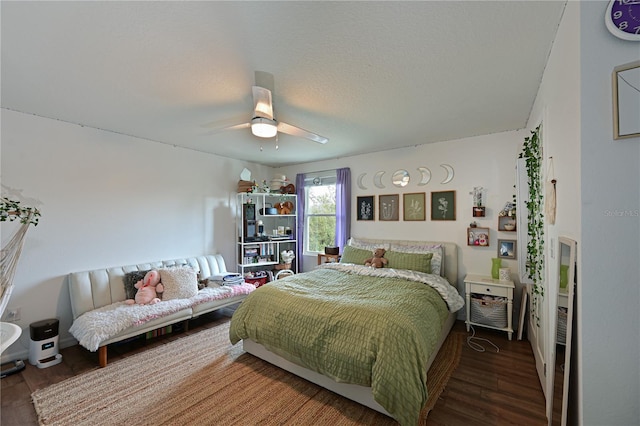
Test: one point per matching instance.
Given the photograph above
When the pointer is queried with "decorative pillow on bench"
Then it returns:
(179, 283)
(130, 279)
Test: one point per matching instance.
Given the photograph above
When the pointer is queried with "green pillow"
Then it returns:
(420, 262)
(355, 255)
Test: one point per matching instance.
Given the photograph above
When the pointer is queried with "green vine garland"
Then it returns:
(532, 153)
(11, 210)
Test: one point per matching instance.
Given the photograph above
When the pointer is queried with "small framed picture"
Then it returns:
(389, 207)
(626, 100)
(365, 209)
(413, 206)
(507, 249)
(443, 205)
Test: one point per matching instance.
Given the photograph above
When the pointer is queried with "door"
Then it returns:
(537, 311)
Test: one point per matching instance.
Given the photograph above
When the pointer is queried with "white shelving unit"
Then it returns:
(260, 247)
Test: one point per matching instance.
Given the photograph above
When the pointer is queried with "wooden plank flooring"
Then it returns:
(487, 388)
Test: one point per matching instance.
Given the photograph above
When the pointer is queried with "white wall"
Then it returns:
(557, 107)
(596, 176)
(108, 200)
(485, 161)
(609, 297)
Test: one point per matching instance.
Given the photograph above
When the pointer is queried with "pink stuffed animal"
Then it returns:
(148, 289)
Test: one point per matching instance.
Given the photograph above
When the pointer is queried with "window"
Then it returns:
(320, 211)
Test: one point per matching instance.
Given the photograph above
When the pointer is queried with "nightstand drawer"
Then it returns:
(489, 289)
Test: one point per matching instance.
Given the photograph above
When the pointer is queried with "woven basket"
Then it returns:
(489, 312)
(561, 329)
(280, 266)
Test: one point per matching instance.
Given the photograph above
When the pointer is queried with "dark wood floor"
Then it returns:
(487, 388)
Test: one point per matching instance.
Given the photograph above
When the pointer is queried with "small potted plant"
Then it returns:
(478, 208)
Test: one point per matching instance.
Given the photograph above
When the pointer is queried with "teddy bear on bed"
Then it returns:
(148, 289)
(378, 260)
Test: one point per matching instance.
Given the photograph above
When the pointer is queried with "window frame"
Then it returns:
(310, 182)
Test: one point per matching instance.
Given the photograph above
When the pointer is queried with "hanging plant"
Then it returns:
(11, 210)
(532, 153)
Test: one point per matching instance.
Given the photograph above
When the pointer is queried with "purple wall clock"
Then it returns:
(623, 19)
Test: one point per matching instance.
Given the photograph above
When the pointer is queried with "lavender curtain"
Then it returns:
(300, 213)
(343, 207)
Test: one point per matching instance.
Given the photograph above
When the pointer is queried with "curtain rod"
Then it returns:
(328, 170)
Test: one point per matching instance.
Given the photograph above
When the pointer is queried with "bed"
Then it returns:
(341, 325)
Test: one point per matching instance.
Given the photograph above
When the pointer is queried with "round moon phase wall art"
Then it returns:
(400, 178)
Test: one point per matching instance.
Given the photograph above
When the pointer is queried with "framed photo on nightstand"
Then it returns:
(507, 249)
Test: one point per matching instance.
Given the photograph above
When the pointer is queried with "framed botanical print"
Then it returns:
(443, 205)
(365, 209)
(389, 207)
(413, 206)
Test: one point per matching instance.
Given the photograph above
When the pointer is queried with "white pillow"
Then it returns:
(179, 283)
(367, 245)
(437, 261)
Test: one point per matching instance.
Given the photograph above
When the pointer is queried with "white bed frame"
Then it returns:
(357, 393)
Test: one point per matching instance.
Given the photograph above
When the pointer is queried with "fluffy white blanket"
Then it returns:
(94, 327)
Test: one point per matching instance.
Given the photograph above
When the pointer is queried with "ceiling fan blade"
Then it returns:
(238, 126)
(262, 103)
(232, 127)
(296, 131)
(226, 122)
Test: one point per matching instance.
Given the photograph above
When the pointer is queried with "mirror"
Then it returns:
(245, 174)
(360, 184)
(565, 312)
(425, 175)
(400, 178)
(377, 179)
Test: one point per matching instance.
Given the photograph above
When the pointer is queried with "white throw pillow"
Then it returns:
(367, 245)
(179, 283)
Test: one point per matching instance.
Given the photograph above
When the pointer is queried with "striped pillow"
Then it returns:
(420, 262)
(355, 255)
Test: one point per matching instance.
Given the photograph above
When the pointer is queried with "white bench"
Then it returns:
(103, 289)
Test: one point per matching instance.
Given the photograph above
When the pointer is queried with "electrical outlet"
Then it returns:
(13, 314)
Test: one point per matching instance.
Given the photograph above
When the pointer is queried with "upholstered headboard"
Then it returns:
(450, 254)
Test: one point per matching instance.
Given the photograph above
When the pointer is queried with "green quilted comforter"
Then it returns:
(372, 327)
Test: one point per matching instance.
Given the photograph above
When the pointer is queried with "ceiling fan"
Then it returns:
(264, 125)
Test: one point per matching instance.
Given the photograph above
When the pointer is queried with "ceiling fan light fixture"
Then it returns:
(263, 127)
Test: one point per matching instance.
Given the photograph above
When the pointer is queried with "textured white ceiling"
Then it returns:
(370, 76)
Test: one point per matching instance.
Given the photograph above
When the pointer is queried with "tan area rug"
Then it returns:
(202, 380)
